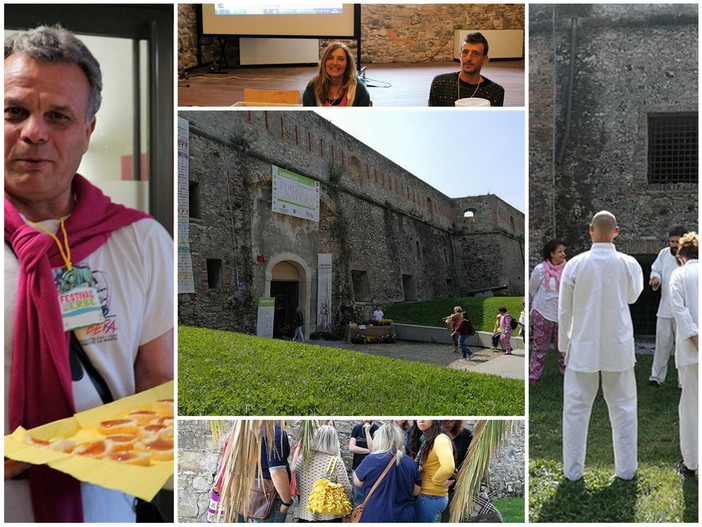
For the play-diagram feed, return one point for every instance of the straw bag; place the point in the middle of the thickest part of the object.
(327, 497)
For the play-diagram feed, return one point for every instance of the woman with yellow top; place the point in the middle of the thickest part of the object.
(433, 451)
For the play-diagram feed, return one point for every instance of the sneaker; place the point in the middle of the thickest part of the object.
(683, 470)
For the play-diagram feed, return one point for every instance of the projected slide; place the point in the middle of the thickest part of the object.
(254, 8)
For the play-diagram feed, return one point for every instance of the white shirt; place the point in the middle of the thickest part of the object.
(684, 302)
(134, 274)
(661, 268)
(595, 328)
(378, 315)
(545, 301)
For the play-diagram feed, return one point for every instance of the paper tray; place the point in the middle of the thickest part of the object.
(142, 482)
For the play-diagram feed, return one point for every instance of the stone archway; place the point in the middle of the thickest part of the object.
(289, 280)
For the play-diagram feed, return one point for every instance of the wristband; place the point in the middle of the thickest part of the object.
(286, 504)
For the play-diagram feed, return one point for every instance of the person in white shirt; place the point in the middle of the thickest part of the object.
(661, 269)
(684, 301)
(544, 284)
(597, 335)
(378, 314)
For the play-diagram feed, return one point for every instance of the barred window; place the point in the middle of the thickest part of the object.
(672, 148)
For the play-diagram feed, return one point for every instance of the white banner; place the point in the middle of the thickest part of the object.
(186, 284)
(295, 195)
(324, 292)
(266, 313)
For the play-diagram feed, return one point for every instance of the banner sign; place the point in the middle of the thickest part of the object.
(266, 313)
(295, 195)
(186, 284)
(324, 292)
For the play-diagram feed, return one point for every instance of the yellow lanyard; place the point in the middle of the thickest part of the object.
(65, 250)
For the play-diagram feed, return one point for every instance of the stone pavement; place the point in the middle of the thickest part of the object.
(484, 360)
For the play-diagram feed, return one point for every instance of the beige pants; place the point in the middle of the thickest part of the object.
(689, 418)
(579, 391)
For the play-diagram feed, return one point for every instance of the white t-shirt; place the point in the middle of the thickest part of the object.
(545, 301)
(378, 314)
(133, 272)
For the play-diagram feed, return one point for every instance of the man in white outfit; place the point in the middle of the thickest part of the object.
(684, 300)
(661, 269)
(596, 333)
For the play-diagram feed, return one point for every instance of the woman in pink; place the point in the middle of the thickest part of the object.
(506, 329)
(544, 285)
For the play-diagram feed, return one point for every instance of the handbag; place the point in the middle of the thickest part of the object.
(327, 497)
(261, 499)
(358, 511)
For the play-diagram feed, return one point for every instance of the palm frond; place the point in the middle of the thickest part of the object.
(487, 437)
(307, 430)
(217, 427)
(243, 459)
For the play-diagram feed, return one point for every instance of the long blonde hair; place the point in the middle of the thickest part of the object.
(321, 82)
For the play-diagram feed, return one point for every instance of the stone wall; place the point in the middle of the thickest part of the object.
(630, 61)
(198, 456)
(389, 32)
(375, 218)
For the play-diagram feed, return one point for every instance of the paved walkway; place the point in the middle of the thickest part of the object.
(484, 360)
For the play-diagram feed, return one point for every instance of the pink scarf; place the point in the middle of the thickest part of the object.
(41, 388)
(552, 271)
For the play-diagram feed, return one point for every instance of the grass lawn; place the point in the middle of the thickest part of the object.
(482, 311)
(657, 494)
(512, 509)
(222, 373)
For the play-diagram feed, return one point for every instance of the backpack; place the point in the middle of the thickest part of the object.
(513, 323)
(471, 329)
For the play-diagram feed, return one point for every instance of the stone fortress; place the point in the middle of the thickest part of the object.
(613, 106)
(198, 457)
(391, 236)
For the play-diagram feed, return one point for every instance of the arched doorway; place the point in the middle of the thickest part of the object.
(285, 288)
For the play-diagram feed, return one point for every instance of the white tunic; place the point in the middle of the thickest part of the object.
(595, 328)
(544, 300)
(684, 303)
(661, 268)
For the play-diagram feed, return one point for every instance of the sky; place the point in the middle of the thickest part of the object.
(459, 152)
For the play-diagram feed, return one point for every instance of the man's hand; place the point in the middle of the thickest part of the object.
(695, 342)
(14, 468)
(654, 282)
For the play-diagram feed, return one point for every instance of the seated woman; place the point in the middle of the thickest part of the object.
(336, 83)
(393, 498)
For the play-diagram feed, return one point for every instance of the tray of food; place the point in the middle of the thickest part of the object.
(126, 445)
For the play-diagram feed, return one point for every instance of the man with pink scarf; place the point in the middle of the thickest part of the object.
(65, 239)
(544, 284)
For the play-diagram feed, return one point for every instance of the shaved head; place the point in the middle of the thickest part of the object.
(603, 227)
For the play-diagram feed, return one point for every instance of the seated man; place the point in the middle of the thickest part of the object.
(447, 88)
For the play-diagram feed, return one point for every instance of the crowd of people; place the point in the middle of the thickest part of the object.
(337, 85)
(581, 308)
(402, 472)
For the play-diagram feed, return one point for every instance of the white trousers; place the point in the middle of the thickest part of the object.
(665, 344)
(687, 410)
(579, 391)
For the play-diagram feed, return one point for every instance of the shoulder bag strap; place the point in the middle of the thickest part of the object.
(394, 458)
(79, 358)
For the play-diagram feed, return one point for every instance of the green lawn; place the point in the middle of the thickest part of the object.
(482, 311)
(657, 494)
(512, 509)
(222, 373)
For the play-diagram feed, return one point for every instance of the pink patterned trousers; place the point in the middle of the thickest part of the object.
(543, 333)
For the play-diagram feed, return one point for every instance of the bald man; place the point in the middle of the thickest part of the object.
(596, 333)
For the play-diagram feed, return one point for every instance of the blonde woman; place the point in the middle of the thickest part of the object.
(336, 83)
(325, 448)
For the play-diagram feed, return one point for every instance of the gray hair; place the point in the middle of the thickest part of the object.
(389, 438)
(56, 44)
(326, 440)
